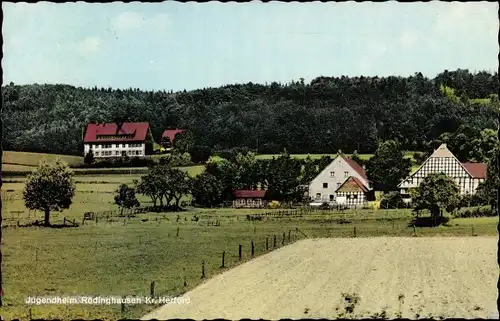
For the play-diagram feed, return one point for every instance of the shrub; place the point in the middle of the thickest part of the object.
(176, 160)
(117, 162)
(476, 211)
(391, 200)
(274, 204)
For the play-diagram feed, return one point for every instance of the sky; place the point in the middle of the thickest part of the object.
(176, 46)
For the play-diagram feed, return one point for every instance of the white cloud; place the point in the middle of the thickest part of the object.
(89, 46)
(126, 21)
(134, 21)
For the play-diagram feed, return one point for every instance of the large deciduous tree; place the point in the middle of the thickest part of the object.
(206, 190)
(437, 192)
(387, 166)
(125, 198)
(50, 187)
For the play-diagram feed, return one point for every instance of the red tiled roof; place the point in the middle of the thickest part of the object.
(477, 170)
(170, 133)
(353, 182)
(249, 193)
(355, 166)
(131, 132)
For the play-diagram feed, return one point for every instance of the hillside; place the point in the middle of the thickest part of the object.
(330, 113)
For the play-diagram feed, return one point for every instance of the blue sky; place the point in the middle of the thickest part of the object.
(175, 46)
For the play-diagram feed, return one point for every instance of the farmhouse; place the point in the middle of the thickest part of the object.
(342, 182)
(118, 140)
(249, 198)
(466, 175)
(168, 137)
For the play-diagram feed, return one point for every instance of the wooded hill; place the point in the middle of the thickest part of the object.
(347, 113)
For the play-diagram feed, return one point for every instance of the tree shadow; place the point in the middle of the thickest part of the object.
(41, 224)
(428, 221)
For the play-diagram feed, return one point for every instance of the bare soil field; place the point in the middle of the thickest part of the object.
(412, 277)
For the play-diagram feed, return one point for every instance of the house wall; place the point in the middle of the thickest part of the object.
(249, 202)
(103, 150)
(352, 199)
(447, 165)
(339, 166)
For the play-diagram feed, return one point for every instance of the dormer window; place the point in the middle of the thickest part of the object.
(332, 174)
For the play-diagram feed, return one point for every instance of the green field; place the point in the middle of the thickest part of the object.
(115, 259)
(33, 159)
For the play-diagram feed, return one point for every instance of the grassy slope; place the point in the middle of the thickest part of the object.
(115, 259)
(33, 159)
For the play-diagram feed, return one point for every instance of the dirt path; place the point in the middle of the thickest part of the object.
(405, 277)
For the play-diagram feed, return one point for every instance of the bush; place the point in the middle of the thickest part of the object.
(176, 160)
(391, 200)
(274, 204)
(200, 154)
(476, 211)
(117, 162)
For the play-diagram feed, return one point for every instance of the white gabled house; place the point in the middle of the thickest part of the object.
(342, 182)
(467, 176)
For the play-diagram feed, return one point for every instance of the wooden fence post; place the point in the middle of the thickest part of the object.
(414, 230)
(252, 249)
(202, 269)
(239, 251)
(283, 241)
(274, 244)
(267, 243)
(122, 308)
(472, 230)
(392, 224)
(254, 229)
(36, 255)
(184, 276)
(289, 231)
(30, 315)
(96, 218)
(152, 289)
(355, 231)
(223, 255)
(177, 232)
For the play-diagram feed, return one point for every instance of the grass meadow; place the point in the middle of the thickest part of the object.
(122, 257)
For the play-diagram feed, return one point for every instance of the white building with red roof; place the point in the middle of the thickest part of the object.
(467, 176)
(342, 182)
(118, 140)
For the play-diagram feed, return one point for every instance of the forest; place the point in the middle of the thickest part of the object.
(328, 114)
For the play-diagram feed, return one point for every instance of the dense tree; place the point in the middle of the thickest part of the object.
(125, 198)
(50, 188)
(330, 113)
(488, 191)
(206, 190)
(435, 193)
(184, 141)
(388, 166)
(89, 157)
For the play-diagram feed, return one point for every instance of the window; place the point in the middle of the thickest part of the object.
(355, 196)
(332, 174)
(331, 197)
(318, 196)
(325, 185)
(117, 153)
(96, 153)
(346, 174)
(124, 145)
(139, 152)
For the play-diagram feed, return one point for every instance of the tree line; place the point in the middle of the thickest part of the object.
(327, 114)
(284, 179)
